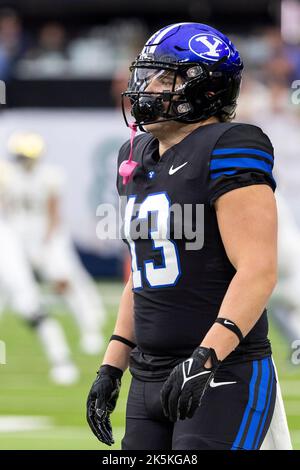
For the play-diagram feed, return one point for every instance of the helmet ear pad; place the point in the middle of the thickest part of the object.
(202, 97)
(206, 96)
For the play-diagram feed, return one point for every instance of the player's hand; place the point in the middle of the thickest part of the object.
(182, 392)
(101, 402)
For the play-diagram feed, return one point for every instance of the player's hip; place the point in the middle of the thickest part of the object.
(235, 412)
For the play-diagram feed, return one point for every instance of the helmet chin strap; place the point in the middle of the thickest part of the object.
(127, 167)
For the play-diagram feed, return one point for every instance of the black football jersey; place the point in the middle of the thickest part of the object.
(179, 265)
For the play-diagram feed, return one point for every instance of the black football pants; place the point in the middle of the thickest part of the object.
(231, 416)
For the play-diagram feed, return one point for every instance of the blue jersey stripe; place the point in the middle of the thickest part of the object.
(240, 162)
(267, 407)
(260, 406)
(250, 403)
(245, 151)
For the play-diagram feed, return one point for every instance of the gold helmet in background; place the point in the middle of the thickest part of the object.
(26, 144)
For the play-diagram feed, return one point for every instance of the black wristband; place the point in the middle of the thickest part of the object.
(113, 371)
(231, 326)
(123, 340)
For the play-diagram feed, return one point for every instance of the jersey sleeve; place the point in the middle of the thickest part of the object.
(242, 156)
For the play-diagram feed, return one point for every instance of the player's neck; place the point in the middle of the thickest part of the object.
(173, 135)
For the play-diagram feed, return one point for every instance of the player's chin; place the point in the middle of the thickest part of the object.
(155, 126)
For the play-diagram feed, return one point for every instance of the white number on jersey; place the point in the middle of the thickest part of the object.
(157, 276)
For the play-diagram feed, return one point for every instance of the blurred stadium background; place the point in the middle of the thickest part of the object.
(64, 64)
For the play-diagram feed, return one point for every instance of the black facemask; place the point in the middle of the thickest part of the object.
(147, 108)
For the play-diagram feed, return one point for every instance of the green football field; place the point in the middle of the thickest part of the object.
(35, 414)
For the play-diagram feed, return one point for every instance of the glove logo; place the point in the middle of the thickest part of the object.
(186, 376)
(208, 46)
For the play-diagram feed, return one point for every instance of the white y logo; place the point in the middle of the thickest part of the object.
(212, 47)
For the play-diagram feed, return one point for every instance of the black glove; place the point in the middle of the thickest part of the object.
(101, 402)
(182, 392)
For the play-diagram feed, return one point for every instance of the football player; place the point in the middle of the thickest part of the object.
(192, 322)
(19, 288)
(32, 198)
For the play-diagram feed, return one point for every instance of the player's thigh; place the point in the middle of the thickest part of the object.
(235, 412)
(146, 426)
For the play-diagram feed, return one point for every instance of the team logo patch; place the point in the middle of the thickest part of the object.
(208, 46)
(151, 174)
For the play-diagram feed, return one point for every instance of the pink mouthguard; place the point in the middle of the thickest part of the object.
(127, 167)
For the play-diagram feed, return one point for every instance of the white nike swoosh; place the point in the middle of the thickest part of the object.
(226, 322)
(173, 170)
(214, 384)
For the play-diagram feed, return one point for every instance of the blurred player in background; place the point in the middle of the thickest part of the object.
(32, 199)
(19, 288)
(286, 298)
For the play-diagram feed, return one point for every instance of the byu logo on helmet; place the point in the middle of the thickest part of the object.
(208, 46)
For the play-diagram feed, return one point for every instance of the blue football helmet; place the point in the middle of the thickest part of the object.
(200, 68)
